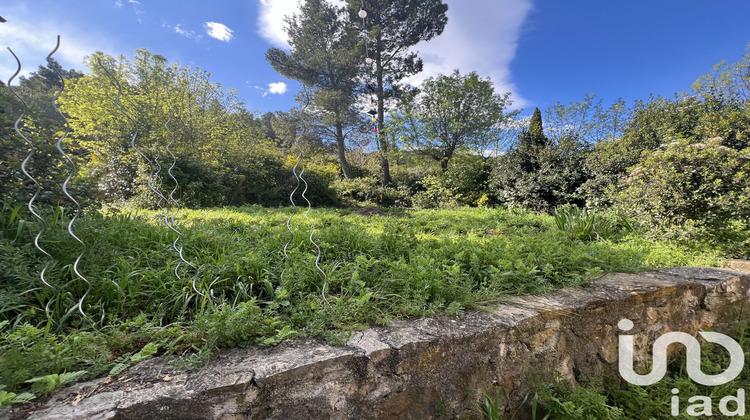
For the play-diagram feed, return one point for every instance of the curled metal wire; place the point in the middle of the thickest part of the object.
(312, 232)
(24, 164)
(151, 165)
(140, 153)
(171, 220)
(156, 179)
(67, 193)
(301, 180)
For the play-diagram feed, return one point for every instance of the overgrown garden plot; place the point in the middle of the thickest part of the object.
(378, 266)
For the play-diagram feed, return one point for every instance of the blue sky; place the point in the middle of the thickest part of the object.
(542, 51)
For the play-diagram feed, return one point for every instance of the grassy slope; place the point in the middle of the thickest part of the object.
(380, 267)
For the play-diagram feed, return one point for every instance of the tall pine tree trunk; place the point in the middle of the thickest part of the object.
(386, 179)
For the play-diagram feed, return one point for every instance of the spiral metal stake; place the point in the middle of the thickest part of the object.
(25, 162)
(291, 198)
(157, 183)
(312, 231)
(140, 153)
(302, 181)
(171, 221)
(296, 187)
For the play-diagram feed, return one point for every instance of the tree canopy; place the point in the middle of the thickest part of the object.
(392, 26)
(452, 112)
(325, 57)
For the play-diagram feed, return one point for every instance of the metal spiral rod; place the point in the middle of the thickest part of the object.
(302, 181)
(24, 164)
(140, 153)
(312, 231)
(157, 183)
(296, 188)
(171, 220)
(151, 168)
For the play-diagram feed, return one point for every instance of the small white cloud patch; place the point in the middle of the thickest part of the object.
(183, 32)
(219, 31)
(278, 88)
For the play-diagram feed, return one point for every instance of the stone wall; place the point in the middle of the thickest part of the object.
(424, 368)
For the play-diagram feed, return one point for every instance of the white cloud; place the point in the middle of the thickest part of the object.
(33, 40)
(481, 36)
(278, 88)
(271, 20)
(136, 8)
(183, 32)
(219, 31)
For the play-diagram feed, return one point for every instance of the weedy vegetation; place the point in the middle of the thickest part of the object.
(245, 291)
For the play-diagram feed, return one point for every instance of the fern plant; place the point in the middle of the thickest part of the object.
(47, 384)
(8, 398)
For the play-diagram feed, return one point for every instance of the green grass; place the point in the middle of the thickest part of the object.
(610, 398)
(378, 268)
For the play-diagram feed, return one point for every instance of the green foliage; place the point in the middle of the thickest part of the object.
(387, 265)
(587, 225)
(8, 398)
(369, 191)
(47, 384)
(490, 407)
(690, 191)
(451, 113)
(725, 92)
(123, 362)
(578, 403)
(327, 57)
(41, 125)
(37, 357)
(392, 28)
(540, 176)
(461, 184)
(224, 157)
(611, 398)
(587, 120)
(245, 324)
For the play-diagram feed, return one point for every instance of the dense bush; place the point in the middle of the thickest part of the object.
(550, 177)
(369, 191)
(694, 191)
(264, 179)
(462, 183)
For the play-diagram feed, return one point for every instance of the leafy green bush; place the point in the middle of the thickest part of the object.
(690, 191)
(543, 177)
(369, 191)
(462, 183)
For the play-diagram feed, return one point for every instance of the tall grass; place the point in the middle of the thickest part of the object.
(378, 268)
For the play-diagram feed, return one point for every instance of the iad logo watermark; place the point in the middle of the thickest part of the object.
(700, 405)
